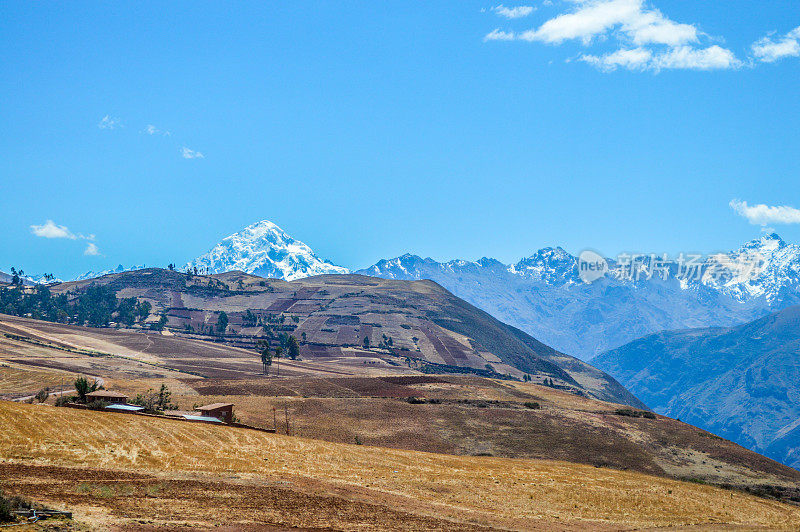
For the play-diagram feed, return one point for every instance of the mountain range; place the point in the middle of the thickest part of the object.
(543, 294)
(742, 383)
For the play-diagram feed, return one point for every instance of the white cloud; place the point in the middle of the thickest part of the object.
(644, 38)
(109, 122)
(683, 57)
(186, 153)
(632, 59)
(686, 57)
(50, 230)
(651, 27)
(499, 35)
(91, 250)
(589, 20)
(768, 50)
(513, 12)
(153, 130)
(765, 214)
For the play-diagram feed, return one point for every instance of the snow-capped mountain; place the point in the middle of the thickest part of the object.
(266, 250)
(544, 295)
(30, 280)
(769, 269)
(93, 274)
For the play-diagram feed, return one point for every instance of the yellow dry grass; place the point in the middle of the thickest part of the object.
(16, 382)
(500, 492)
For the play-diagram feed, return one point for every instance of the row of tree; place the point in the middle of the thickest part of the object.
(291, 345)
(96, 306)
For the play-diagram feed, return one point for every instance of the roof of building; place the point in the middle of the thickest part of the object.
(213, 406)
(106, 393)
(126, 408)
(202, 418)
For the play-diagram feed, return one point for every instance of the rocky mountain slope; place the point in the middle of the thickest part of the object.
(544, 295)
(264, 249)
(418, 324)
(742, 383)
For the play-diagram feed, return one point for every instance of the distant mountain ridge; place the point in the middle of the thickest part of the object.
(91, 274)
(264, 249)
(544, 295)
(742, 383)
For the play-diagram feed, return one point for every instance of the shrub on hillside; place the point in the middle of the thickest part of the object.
(42, 395)
(5, 509)
(8, 504)
(62, 400)
(630, 412)
(97, 405)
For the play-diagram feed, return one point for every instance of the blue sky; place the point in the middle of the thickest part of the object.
(367, 130)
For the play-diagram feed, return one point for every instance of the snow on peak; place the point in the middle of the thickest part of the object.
(771, 267)
(266, 250)
(553, 265)
(119, 269)
(765, 244)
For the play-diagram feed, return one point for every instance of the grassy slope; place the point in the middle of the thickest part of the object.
(491, 491)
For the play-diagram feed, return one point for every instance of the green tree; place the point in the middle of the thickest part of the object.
(162, 399)
(162, 322)
(6, 510)
(366, 342)
(83, 387)
(126, 311)
(266, 357)
(96, 306)
(293, 347)
(15, 275)
(222, 322)
(42, 395)
(143, 310)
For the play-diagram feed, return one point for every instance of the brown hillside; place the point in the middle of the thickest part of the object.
(430, 329)
(131, 471)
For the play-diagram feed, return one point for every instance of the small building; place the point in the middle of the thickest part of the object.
(221, 411)
(204, 419)
(121, 407)
(107, 396)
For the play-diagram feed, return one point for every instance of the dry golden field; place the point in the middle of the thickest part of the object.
(126, 470)
(19, 381)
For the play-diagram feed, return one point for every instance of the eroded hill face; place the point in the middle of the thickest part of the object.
(412, 324)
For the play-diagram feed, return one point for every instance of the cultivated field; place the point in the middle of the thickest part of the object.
(382, 405)
(178, 474)
(476, 416)
(349, 320)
